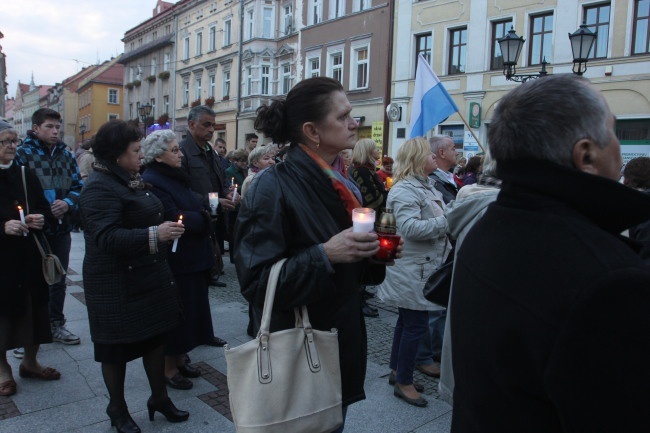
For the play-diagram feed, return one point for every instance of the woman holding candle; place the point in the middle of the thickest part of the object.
(130, 291)
(386, 171)
(24, 317)
(301, 210)
(419, 212)
(193, 258)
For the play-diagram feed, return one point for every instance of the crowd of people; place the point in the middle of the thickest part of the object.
(549, 236)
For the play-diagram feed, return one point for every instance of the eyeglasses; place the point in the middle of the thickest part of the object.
(174, 150)
(8, 141)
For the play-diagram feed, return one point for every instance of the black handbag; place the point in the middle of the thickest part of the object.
(438, 285)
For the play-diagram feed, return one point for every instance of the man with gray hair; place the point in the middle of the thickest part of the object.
(445, 150)
(202, 164)
(547, 296)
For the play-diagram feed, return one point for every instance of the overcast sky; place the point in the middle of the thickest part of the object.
(55, 39)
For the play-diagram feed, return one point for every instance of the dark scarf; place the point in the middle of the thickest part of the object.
(170, 172)
(133, 181)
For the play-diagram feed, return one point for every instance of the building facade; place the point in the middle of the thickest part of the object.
(459, 38)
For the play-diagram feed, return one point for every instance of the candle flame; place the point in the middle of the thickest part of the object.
(20, 208)
(180, 217)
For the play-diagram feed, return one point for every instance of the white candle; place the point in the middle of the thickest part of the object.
(22, 217)
(213, 197)
(234, 194)
(175, 244)
(363, 220)
(232, 181)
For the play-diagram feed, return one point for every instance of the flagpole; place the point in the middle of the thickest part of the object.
(471, 131)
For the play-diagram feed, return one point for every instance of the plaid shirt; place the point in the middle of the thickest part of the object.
(58, 173)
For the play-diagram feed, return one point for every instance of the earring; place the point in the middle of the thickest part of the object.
(317, 146)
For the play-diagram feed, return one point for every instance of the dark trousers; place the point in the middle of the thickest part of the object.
(411, 326)
(60, 245)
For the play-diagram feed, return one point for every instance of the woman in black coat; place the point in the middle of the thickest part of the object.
(24, 317)
(301, 210)
(193, 259)
(130, 290)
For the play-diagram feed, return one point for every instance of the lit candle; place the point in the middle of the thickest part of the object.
(22, 217)
(232, 181)
(175, 244)
(389, 182)
(363, 220)
(234, 193)
(213, 197)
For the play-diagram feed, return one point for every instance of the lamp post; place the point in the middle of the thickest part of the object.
(581, 42)
(144, 111)
(82, 131)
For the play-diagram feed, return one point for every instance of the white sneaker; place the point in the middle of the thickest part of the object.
(60, 334)
(19, 353)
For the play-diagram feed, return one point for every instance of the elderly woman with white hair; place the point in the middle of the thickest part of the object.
(193, 258)
(259, 158)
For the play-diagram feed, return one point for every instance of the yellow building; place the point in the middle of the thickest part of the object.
(100, 97)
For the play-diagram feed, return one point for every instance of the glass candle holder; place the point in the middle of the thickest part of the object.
(213, 197)
(388, 244)
(363, 220)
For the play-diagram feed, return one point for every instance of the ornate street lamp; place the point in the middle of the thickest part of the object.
(82, 131)
(511, 45)
(582, 41)
(144, 111)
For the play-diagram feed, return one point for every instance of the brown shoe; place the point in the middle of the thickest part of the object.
(431, 370)
(8, 388)
(48, 373)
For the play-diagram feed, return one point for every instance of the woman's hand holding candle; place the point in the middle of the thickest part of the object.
(175, 244)
(169, 230)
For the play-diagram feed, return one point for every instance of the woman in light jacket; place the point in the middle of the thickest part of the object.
(419, 212)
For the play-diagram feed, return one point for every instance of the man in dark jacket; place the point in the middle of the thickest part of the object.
(57, 170)
(547, 295)
(203, 166)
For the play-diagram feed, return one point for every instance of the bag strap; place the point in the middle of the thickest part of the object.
(38, 244)
(270, 297)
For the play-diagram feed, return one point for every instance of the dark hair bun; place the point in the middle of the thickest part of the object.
(271, 121)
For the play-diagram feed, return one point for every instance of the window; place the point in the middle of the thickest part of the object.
(113, 96)
(213, 38)
(337, 8)
(199, 43)
(197, 88)
(597, 18)
(336, 66)
(227, 28)
(423, 46)
(267, 24)
(641, 38)
(166, 104)
(167, 62)
(287, 19)
(286, 78)
(113, 116)
(314, 67)
(226, 84)
(186, 48)
(315, 11)
(131, 111)
(361, 5)
(153, 107)
(541, 39)
(457, 50)
(360, 67)
(499, 30)
(249, 21)
(212, 83)
(131, 74)
(186, 93)
(154, 36)
(249, 81)
(154, 66)
(266, 78)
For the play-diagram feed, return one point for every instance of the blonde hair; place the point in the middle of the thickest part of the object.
(411, 158)
(362, 152)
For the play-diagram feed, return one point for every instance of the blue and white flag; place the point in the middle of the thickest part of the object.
(431, 102)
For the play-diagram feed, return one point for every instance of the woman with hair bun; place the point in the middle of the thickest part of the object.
(301, 210)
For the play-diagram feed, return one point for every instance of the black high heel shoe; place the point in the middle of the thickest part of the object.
(167, 408)
(121, 420)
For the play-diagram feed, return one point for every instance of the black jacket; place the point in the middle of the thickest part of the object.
(20, 259)
(547, 299)
(130, 293)
(288, 211)
(206, 174)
